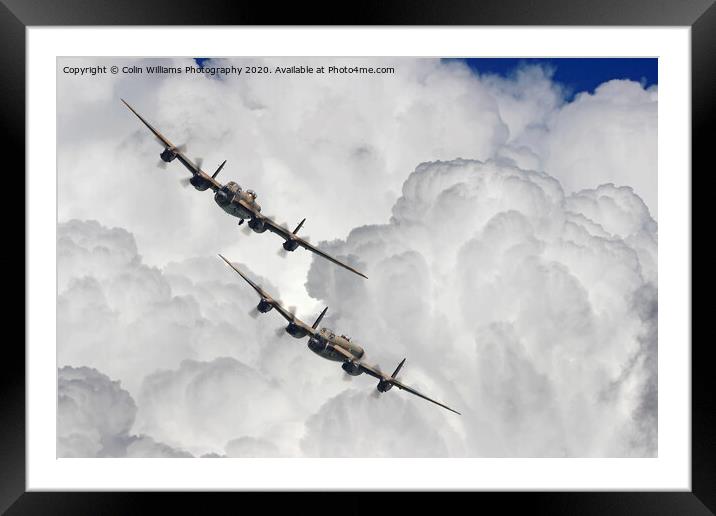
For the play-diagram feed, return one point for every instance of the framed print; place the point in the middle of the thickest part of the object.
(438, 250)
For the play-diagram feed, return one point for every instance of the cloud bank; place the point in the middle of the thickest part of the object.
(94, 418)
(532, 312)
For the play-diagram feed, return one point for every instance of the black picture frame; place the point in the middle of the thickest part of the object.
(16, 15)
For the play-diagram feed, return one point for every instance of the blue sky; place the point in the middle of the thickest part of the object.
(575, 74)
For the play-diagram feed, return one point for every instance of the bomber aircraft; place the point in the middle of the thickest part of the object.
(326, 344)
(234, 200)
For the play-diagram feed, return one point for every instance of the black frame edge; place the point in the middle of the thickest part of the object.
(371, 12)
(703, 133)
(700, 14)
(12, 381)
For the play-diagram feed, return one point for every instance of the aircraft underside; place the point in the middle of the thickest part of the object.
(235, 210)
(319, 347)
(329, 354)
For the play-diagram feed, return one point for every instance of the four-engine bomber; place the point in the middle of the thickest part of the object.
(236, 201)
(326, 344)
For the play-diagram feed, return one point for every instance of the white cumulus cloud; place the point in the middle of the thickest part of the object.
(532, 311)
(95, 416)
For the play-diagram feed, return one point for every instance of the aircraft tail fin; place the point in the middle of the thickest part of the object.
(213, 176)
(320, 317)
(397, 369)
(300, 224)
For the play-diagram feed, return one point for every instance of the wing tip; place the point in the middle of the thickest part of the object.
(352, 269)
(230, 264)
(137, 114)
(348, 267)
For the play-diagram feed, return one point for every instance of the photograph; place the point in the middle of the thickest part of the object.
(357, 257)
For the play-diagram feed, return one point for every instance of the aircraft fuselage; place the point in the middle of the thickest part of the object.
(317, 344)
(228, 196)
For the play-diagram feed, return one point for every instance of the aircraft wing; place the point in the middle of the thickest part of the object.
(264, 295)
(190, 165)
(377, 373)
(286, 234)
(368, 369)
(404, 387)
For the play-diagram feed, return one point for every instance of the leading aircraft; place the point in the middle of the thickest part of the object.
(326, 344)
(234, 200)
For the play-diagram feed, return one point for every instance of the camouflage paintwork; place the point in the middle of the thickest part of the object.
(236, 201)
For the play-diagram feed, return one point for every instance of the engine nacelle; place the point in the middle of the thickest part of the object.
(257, 225)
(384, 386)
(296, 331)
(290, 245)
(199, 183)
(351, 368)
(264, 306)
(168, 155)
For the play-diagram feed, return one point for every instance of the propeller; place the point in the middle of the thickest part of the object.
(291, 310)
(179, 148)
(254, 312)
(185, 182)
(160, 142)
(246, 229)
(376, 393)
(198, 162)
(282, 252)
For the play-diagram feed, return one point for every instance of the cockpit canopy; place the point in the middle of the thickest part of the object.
(233, 187)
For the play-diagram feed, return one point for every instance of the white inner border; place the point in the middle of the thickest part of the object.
(671, 470)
